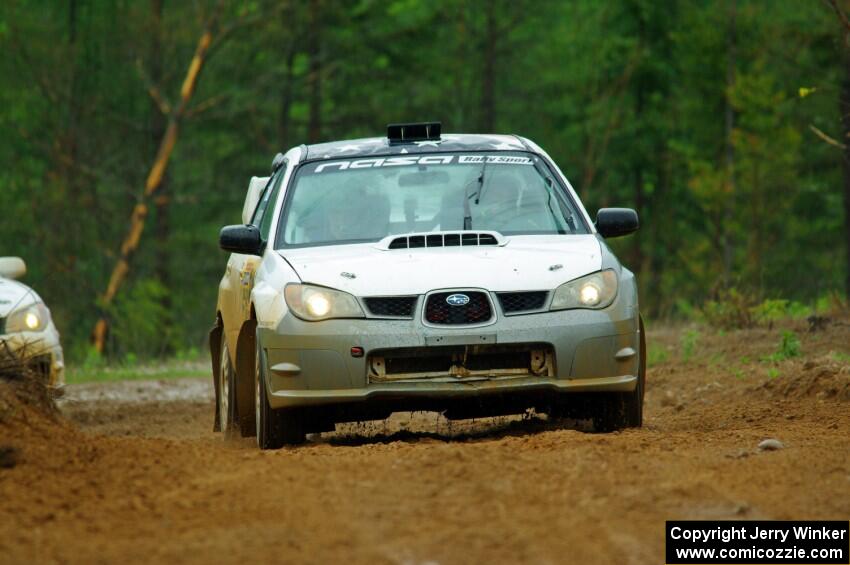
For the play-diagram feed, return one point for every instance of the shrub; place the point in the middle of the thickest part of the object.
(656, 354)
(832, 304)
(789, 346)
(731, 310)
(143, 326)
(735, 310)
(689, 343)
(773, 310)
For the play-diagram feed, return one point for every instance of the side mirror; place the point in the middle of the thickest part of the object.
(614, 222)
(243, 239)
(12, 267)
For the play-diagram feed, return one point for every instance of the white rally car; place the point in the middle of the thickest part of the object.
(420, 271)
(26, 328)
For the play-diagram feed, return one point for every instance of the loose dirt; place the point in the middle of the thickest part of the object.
(133, 473)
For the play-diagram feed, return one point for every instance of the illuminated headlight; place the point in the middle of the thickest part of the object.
(592, 291)
(313, 303)
(32, 318)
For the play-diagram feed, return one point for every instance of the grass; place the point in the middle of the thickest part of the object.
(840, 357)
(169, 369)
(689, 341)
(656, 354)
(789, 346)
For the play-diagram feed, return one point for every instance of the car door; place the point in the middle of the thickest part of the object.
(239, 273)
(235, 289)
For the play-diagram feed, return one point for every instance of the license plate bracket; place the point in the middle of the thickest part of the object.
(461, 339)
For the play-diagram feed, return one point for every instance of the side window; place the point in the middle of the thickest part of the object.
(262, 219)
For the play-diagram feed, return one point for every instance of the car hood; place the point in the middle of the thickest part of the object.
(523, 263)
(13, 295)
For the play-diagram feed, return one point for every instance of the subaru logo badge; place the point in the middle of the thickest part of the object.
(457, 300)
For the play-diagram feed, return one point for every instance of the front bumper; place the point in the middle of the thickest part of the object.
(38, 348)
(310, 363)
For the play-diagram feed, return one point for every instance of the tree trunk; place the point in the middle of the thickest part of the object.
(844, 104)
(154, 181)
(162, 228)
(658, 235)
(314, 128)
(62, 175)
(68, 146)
(638, 167)
(488, 78)
(285, 119)
(729, 200)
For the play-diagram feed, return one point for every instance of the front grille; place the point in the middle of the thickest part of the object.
(443, 240)
(476, 311)
(513, 302)
(392, 306)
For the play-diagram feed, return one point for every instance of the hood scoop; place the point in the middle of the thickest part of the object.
(442, 239)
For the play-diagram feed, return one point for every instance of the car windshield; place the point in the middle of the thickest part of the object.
(363, 200)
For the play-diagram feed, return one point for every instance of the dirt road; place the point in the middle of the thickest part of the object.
(139, 476)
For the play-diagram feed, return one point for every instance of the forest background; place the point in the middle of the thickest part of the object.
(131, 129)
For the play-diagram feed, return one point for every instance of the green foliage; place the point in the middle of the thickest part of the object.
(167, 369)
(656, 355)
(732, 310)
(832, 304)
(718, 358)
(92, 359)
(773, 310)
(143, 322)
(736, 310)
(190, 354)
(686, 310)
(840, 357)
(789, 347)
(689, 341)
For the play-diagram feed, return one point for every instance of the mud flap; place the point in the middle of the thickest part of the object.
(245, 352)
(215, 353)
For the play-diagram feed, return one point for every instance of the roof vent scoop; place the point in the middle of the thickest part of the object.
(409, 133)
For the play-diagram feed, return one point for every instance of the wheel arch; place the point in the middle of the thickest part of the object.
(215, 358)
(245, 355)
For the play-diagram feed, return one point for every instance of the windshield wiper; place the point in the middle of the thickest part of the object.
(467, 213)
(481, 181)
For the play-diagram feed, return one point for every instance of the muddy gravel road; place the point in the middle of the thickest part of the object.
(133, 473)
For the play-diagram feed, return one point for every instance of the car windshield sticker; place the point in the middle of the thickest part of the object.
(333, 166)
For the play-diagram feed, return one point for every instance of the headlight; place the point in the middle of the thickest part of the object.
(32, 318)
(593, 291)
(313, 303)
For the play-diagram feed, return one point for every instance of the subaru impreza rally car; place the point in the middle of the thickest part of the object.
(420, 271)
(26, 328)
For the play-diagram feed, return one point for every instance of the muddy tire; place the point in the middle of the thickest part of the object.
(616, 411)
(228, 420)
(275, 428)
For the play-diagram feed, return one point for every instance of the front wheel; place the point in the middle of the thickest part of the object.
(275, 428)
(227, 394)
(615, 411)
